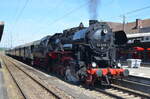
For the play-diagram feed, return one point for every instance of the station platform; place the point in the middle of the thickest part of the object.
(145, 64)
(3, 92)
(140, 72)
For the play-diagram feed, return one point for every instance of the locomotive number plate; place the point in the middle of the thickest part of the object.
(102, 44)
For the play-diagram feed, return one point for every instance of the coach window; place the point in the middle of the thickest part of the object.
(142, 38)
(147, 38)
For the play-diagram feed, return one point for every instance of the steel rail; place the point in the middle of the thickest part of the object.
(108, 93)
(134, 85)
(53, 93)
(25, 97)
(119, 89)
(130, 91)
(139, 79)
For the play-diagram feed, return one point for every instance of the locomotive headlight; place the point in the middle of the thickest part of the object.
(94, 64)
(119, 64)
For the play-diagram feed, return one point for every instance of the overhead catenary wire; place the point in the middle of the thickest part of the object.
(11, 25)
(21, 11)
(131, 12)
(137, 16)
(68, 13)
(74, 10)
(17, 19)
(55, 7)
(122, 16)
(137, 10)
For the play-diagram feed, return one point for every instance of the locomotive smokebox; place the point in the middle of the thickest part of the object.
(92, 22)
(1, 29)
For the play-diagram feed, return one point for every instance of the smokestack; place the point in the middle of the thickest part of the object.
(1, 29)
(93, 9)
(92, 22)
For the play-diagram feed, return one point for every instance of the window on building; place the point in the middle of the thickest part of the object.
(142, 38)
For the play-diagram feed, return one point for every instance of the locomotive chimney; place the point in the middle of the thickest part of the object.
(81, 25)
(92, 22)
(1, 29)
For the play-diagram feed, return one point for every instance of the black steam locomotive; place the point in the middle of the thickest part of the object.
(78, 54)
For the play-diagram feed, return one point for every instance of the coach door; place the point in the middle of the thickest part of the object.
(32, 50)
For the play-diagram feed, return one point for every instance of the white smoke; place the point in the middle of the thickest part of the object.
(93, 8)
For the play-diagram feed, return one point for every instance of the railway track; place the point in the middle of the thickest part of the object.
(134, 85)
(29, 87)
(142, 80)
(115, 91)
(129, 88)
(119, 92)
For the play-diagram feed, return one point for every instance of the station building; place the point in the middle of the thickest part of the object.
(138, 33)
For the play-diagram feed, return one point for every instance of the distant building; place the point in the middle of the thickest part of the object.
(139, 26)
(138, 34)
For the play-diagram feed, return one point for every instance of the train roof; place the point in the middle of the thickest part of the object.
(33, 43)
(138, 35)
(29, 44)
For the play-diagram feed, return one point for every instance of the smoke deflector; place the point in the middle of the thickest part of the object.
(120, 38)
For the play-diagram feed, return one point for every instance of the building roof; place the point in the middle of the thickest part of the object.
(131, 27)
(115, 26)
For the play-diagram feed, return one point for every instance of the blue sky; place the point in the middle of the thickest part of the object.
(46, 17)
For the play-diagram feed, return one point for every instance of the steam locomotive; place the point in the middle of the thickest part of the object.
(86, 54)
